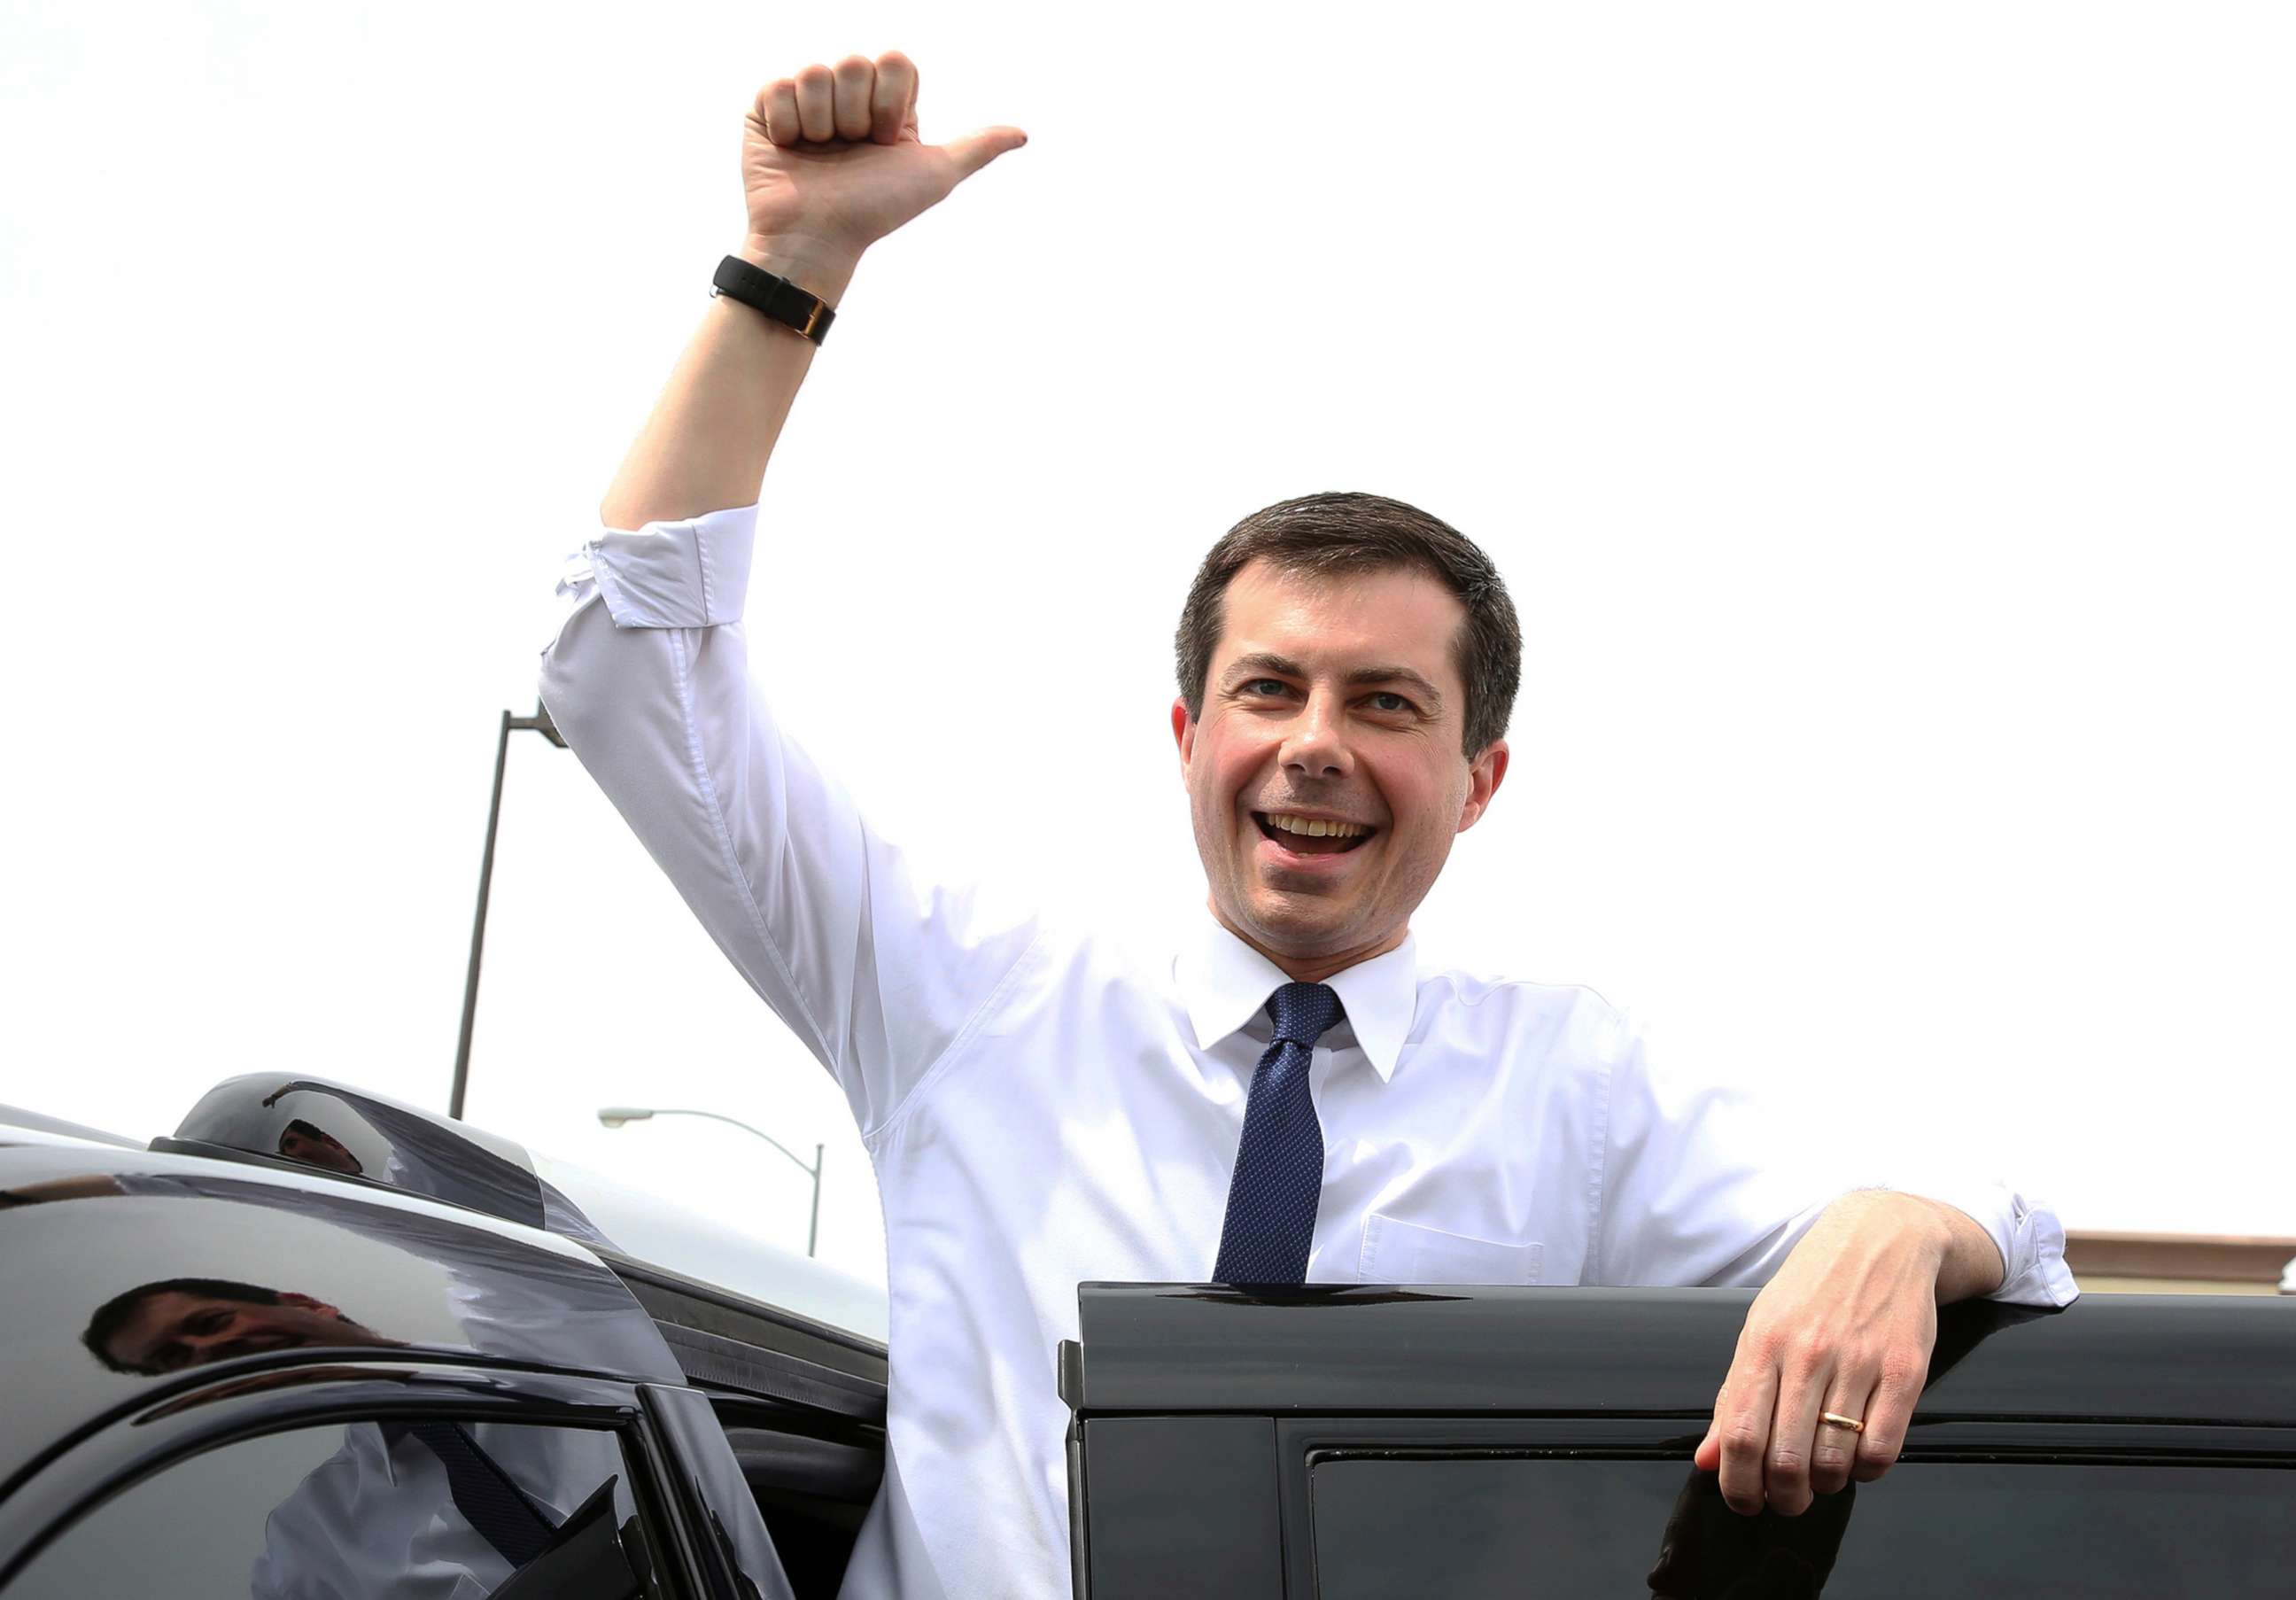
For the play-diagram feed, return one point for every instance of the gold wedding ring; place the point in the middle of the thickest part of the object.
(1839, 1421)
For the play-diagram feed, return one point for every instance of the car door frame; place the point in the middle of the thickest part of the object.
(685, 1480)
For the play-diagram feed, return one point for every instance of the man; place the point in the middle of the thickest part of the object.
(162, 1328)
(1291, 1099)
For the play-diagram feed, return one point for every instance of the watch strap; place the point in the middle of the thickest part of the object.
(775, 297)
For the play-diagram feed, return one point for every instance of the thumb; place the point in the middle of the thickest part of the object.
(976, 150)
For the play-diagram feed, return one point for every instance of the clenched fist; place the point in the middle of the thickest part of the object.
(831, 161)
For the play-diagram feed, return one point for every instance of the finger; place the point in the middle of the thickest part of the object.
(852, 83)
(1745, 1422)
(1834, 1451)
(816, 102)
(1804, 1379)
(1888, 1414)
(975, 151)
(893, 101)
(1708, 1457)
(777, 104)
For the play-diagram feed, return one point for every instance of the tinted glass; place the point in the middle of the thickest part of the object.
(154, 1265)
(408, 1511)
(1473, 1527)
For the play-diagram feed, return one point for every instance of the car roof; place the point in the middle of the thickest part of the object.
(101, 1232)
(375, 1144)
(19, 1117)
(116, 1252)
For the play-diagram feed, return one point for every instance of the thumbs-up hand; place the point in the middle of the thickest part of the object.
(831, 161)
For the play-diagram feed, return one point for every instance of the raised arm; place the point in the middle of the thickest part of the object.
(875, 970)
(831, 163)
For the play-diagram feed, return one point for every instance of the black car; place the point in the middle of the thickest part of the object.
(319, 1343)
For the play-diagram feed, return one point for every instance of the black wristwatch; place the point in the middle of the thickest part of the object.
(775, 297)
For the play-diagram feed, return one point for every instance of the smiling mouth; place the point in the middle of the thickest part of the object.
(1312, 836)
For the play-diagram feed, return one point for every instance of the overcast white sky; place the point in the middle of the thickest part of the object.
(1883, 418)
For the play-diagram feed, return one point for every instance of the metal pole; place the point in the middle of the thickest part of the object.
(540, 723)
(813, 1228)
(479, 928)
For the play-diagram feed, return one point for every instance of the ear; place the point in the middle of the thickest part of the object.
(1184, 733)
(1485, 773)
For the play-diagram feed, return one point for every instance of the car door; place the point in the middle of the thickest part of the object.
(1345, 1442)
(271, 1381)
(398, 1479)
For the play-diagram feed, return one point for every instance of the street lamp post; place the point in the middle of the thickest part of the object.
(541, 723)
(614, 1116)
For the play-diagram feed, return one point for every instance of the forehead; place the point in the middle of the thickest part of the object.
(1393, 616)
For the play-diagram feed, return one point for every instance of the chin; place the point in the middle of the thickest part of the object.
(1296, 934)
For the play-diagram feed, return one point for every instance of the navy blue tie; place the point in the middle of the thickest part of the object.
(1279, 1166)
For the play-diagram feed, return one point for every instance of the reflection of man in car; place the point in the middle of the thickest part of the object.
(300, 1141)
(410, 1508)
(406, 1509)
(1711, 1552)
(420, 1158)
(177, 1322)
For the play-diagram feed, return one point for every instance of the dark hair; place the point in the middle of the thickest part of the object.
(1342, 534)
(113, 1314)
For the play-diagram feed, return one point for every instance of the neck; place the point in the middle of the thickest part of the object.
(1315, 967)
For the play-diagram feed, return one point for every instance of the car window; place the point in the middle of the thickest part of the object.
(1476, 1526)
(813, 1481)
(406, 1509)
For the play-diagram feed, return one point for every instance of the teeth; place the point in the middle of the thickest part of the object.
(1316, 827)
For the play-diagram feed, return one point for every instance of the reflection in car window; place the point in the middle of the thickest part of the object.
(428, 1509)
(1475, 1526)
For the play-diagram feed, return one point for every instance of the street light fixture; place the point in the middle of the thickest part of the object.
(614, 1116)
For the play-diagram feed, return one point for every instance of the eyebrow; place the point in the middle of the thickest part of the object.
(1264, 661)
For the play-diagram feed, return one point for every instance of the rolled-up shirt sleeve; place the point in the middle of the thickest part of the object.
(1703, 1184)
(648, 681)
(2027, 1232)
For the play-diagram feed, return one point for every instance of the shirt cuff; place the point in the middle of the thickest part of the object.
(688, 574)
(2029, 1235)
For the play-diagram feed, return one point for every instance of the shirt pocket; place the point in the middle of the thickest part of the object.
(1406, 1253)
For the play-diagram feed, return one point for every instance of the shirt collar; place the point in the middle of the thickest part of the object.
(1223, 982)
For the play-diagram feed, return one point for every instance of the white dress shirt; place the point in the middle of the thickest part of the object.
(1043, 1109)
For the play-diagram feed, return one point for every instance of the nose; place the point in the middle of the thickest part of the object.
(1315, 744)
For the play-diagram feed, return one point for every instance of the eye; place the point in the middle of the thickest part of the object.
(1263, 686)
(1388, 701)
